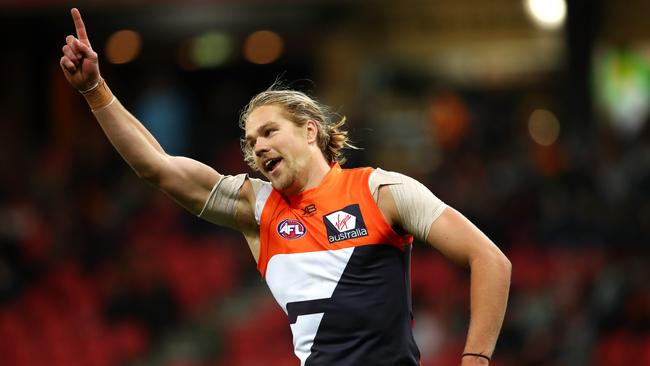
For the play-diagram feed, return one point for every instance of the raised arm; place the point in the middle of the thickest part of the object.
(187, 181)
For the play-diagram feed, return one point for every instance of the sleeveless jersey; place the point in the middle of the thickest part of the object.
(340, 273)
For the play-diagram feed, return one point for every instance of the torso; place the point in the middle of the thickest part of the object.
(340, 273)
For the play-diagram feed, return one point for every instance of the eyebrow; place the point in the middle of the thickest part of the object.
(261, 128)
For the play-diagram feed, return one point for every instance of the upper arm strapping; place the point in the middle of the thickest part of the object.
(417, 207)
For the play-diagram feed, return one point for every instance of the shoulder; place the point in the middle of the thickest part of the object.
(380, 177)
(254, 194)
(359, 173)
(406, 202)
(380, 180)
(377, 178)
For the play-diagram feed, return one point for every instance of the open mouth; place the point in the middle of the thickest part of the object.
(270, 165)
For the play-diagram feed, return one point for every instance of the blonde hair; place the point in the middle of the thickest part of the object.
(300, 108)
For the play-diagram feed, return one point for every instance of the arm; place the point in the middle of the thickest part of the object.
(187, 181)
(458, 239)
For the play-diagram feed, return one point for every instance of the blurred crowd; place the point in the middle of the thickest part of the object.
(97, 268)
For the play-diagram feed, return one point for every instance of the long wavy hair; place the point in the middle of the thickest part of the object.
(299, 108)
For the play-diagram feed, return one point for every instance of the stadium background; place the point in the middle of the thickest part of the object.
(537, 131)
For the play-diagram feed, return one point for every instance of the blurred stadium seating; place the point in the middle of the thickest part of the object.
(99, 269)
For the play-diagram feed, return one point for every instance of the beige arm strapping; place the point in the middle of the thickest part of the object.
(418, 208)
(221, 206)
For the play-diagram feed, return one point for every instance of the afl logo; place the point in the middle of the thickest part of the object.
(291, 229)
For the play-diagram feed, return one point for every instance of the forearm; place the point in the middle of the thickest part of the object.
(185, 180)
(131, 139)
(490, 282)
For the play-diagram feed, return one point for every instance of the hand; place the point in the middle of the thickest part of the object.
(79, 62)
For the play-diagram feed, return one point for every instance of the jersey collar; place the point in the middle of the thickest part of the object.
(327, 182)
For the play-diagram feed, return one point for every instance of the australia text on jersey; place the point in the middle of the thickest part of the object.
(346, 223)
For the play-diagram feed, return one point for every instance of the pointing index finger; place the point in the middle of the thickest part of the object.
(79, 25)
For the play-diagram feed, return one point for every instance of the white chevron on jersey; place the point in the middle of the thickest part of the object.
(304, 331)
(303, 277)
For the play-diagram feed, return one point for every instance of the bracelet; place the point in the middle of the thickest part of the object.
(91, 88)
(98, 96)
(476, 355)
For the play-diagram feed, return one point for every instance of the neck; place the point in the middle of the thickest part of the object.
(316, 173)
(312, 175)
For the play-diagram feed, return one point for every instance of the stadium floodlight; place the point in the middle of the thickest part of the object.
(547, 14)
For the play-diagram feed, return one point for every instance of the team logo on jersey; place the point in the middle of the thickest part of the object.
(291, 229)
(309, 210)
(346, 223)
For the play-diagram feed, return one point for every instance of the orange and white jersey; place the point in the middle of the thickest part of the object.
(340, 273)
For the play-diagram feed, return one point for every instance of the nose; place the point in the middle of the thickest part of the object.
(260, 147)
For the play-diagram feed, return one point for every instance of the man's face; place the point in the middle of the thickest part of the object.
(280, 147)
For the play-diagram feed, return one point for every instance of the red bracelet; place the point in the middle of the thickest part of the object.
(476, 355)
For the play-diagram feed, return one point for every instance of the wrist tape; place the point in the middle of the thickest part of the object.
(99, 96)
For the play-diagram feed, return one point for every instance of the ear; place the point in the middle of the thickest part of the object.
(312, 131)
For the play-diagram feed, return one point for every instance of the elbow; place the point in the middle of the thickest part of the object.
(151, 170)
(506, 265)
(495, 260)
(149, 174)
(501, 262)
